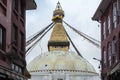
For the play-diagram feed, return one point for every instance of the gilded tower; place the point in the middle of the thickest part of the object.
(58, 39)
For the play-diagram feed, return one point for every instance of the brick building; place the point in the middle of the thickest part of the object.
(12, 38)
(108, 14)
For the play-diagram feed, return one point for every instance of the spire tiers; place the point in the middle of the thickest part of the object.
(58, 39)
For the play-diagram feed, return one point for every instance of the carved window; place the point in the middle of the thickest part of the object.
(118, 7)
(104, 57)
(2, 37)
(109, 54)
(16, 68)
(114, 50)
(14, 33)
(15, 5)
(22, 8)
(108, 24)
(114, 15)
(104, 29)
(22, 39)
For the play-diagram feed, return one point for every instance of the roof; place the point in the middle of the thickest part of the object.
(30, 4)
(101, 9)
(60, 60)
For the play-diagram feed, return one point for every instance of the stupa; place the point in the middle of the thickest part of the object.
(59, 63)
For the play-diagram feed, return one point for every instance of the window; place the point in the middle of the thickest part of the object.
(13, 66)
(109, 54)
(20, 70)
(22, 41)
(22, 8)
(104, 57)
(114, 46)
(114, 50)
(108, 24)
(2, 37)
(114, 15)
(118, 7)
(118, 10)
(15, 5)
(104, 30)
(14, 34)
(16, 68)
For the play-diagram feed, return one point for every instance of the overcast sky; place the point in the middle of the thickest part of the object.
(78, 14)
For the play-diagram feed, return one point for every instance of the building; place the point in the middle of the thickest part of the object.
(59, 63)
(108, 14)
(12, 38)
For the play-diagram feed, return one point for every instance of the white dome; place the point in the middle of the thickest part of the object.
(60, 61)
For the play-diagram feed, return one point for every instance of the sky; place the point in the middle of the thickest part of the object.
(78, 14)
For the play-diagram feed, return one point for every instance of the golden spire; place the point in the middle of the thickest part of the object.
(58, 13)
(58, 6)
(58, 39)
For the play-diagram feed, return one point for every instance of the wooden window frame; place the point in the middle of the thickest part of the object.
(22, 41)
(2, 45)
(109, 55)
(104, 58)
(108, 24)
(15, 5)
(14, 35)
(114, 15)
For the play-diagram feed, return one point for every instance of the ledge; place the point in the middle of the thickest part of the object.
(30, 4)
